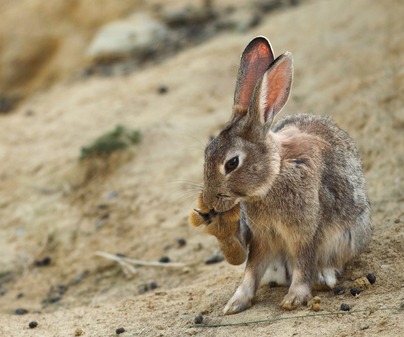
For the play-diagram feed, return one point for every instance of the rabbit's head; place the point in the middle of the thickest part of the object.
(242, 162)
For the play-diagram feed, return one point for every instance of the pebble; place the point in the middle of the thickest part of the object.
(315, 303)
(21, 311)
(78, 332)
(136, 36)
(364, 326)
(361, 283)
(198, 319)
(153, 285)
(215, 258)
(345, 307)
(119, 331)
(339, 290)
(33, 324)
(371, 278)
(315, 307)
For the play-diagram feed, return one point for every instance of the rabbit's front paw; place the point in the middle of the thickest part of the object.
(238, 303)
(297, 296)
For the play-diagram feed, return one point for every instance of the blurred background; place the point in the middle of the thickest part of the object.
(46, 43)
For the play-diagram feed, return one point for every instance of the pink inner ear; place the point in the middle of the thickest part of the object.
(256, 59)
(275, 87)
(257, 65)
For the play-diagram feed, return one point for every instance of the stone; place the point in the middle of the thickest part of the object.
(136, 36)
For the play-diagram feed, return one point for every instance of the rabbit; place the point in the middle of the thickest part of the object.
(290, 199)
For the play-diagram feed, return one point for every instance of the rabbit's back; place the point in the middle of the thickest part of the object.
(343, 203)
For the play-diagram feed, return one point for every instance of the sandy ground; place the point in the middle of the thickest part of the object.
(348, 65)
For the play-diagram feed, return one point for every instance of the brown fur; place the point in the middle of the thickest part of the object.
(226, 228)
(299, 185)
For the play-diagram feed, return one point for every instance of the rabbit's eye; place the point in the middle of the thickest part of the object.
(231, 164)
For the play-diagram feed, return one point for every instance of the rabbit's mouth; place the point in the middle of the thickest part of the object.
(224, 203)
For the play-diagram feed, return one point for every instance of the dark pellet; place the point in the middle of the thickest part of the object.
(21, 311)
(33, 324)
(119, 331)
(162, 89)
(43, 262)
(272, 284)
(355, 291)
(153, 285)
(105, 216)
(339, 290)
(164, 259)
(345, 307)
(198, 319)
(181, 242)
(371, 278)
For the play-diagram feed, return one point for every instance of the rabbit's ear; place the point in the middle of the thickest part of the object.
(272, 92)
(255, 60)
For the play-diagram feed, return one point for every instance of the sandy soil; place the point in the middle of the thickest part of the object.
(348, 65)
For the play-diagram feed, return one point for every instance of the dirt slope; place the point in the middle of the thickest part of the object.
(348, 65)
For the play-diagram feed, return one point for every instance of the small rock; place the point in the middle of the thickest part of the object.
(198, 319)
(361, 283)
(21, 311)
(364, 326)
(345, 307)
(314, 304)
(371, 278)
(143, 288)
(78, 332)
(153, 285)
(315, 307)
(215, 258)
(33, 324)
(135, 37)
(20, 295)
(119, 331)
(339, 290)
(397, 220)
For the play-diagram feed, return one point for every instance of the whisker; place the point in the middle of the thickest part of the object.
(255, 224)
(183, 196)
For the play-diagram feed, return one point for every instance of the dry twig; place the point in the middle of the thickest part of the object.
(128, 264)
